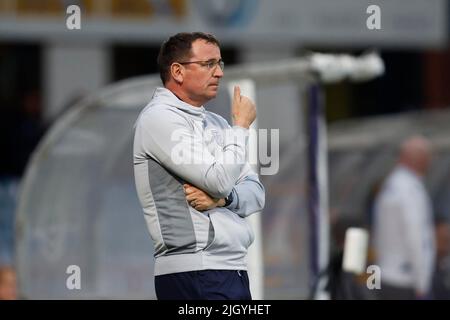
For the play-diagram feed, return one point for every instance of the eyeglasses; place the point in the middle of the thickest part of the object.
(210, 64)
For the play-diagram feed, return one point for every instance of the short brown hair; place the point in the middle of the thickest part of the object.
(177, 48)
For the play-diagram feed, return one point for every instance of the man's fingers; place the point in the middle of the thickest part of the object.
(189, 189)
(200, 206)
(190, 197)
(237, 94)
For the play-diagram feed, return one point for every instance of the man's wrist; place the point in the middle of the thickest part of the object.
(241, 123)
(225, 202)
(221, 202)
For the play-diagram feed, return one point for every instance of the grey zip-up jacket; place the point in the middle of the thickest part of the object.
(175, 143)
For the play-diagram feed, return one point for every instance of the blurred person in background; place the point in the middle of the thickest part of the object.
(8, 285)
(403, 231)
(192, 176)
(20, 131)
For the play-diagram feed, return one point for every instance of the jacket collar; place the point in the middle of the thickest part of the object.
(168, 97)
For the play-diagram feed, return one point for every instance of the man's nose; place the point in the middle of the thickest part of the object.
(218, 72)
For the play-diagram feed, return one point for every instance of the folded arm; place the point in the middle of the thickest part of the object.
(168, 138)
(248, 197)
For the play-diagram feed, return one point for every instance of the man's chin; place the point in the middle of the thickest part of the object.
(213, 91)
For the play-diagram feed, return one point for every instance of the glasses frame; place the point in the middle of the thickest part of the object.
(207, 64)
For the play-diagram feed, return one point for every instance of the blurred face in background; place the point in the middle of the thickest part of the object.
(416, 154)
(8, 284)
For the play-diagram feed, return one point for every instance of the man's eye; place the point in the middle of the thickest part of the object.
(211, 64)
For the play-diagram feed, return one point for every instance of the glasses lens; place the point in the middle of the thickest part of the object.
(213, 64)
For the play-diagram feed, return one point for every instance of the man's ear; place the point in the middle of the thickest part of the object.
(177, 72)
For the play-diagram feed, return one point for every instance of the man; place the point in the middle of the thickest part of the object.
(403, 226)
(192, 178)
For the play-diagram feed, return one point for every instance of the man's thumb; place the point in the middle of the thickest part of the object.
(237, 93)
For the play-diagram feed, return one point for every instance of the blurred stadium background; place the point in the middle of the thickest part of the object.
(66, 175)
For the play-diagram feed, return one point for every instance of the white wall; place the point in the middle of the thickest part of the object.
(70, 71)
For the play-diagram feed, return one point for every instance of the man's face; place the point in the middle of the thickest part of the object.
(200, 82)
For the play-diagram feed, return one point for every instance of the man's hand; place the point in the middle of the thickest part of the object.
(200, 200)
(243, 109)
